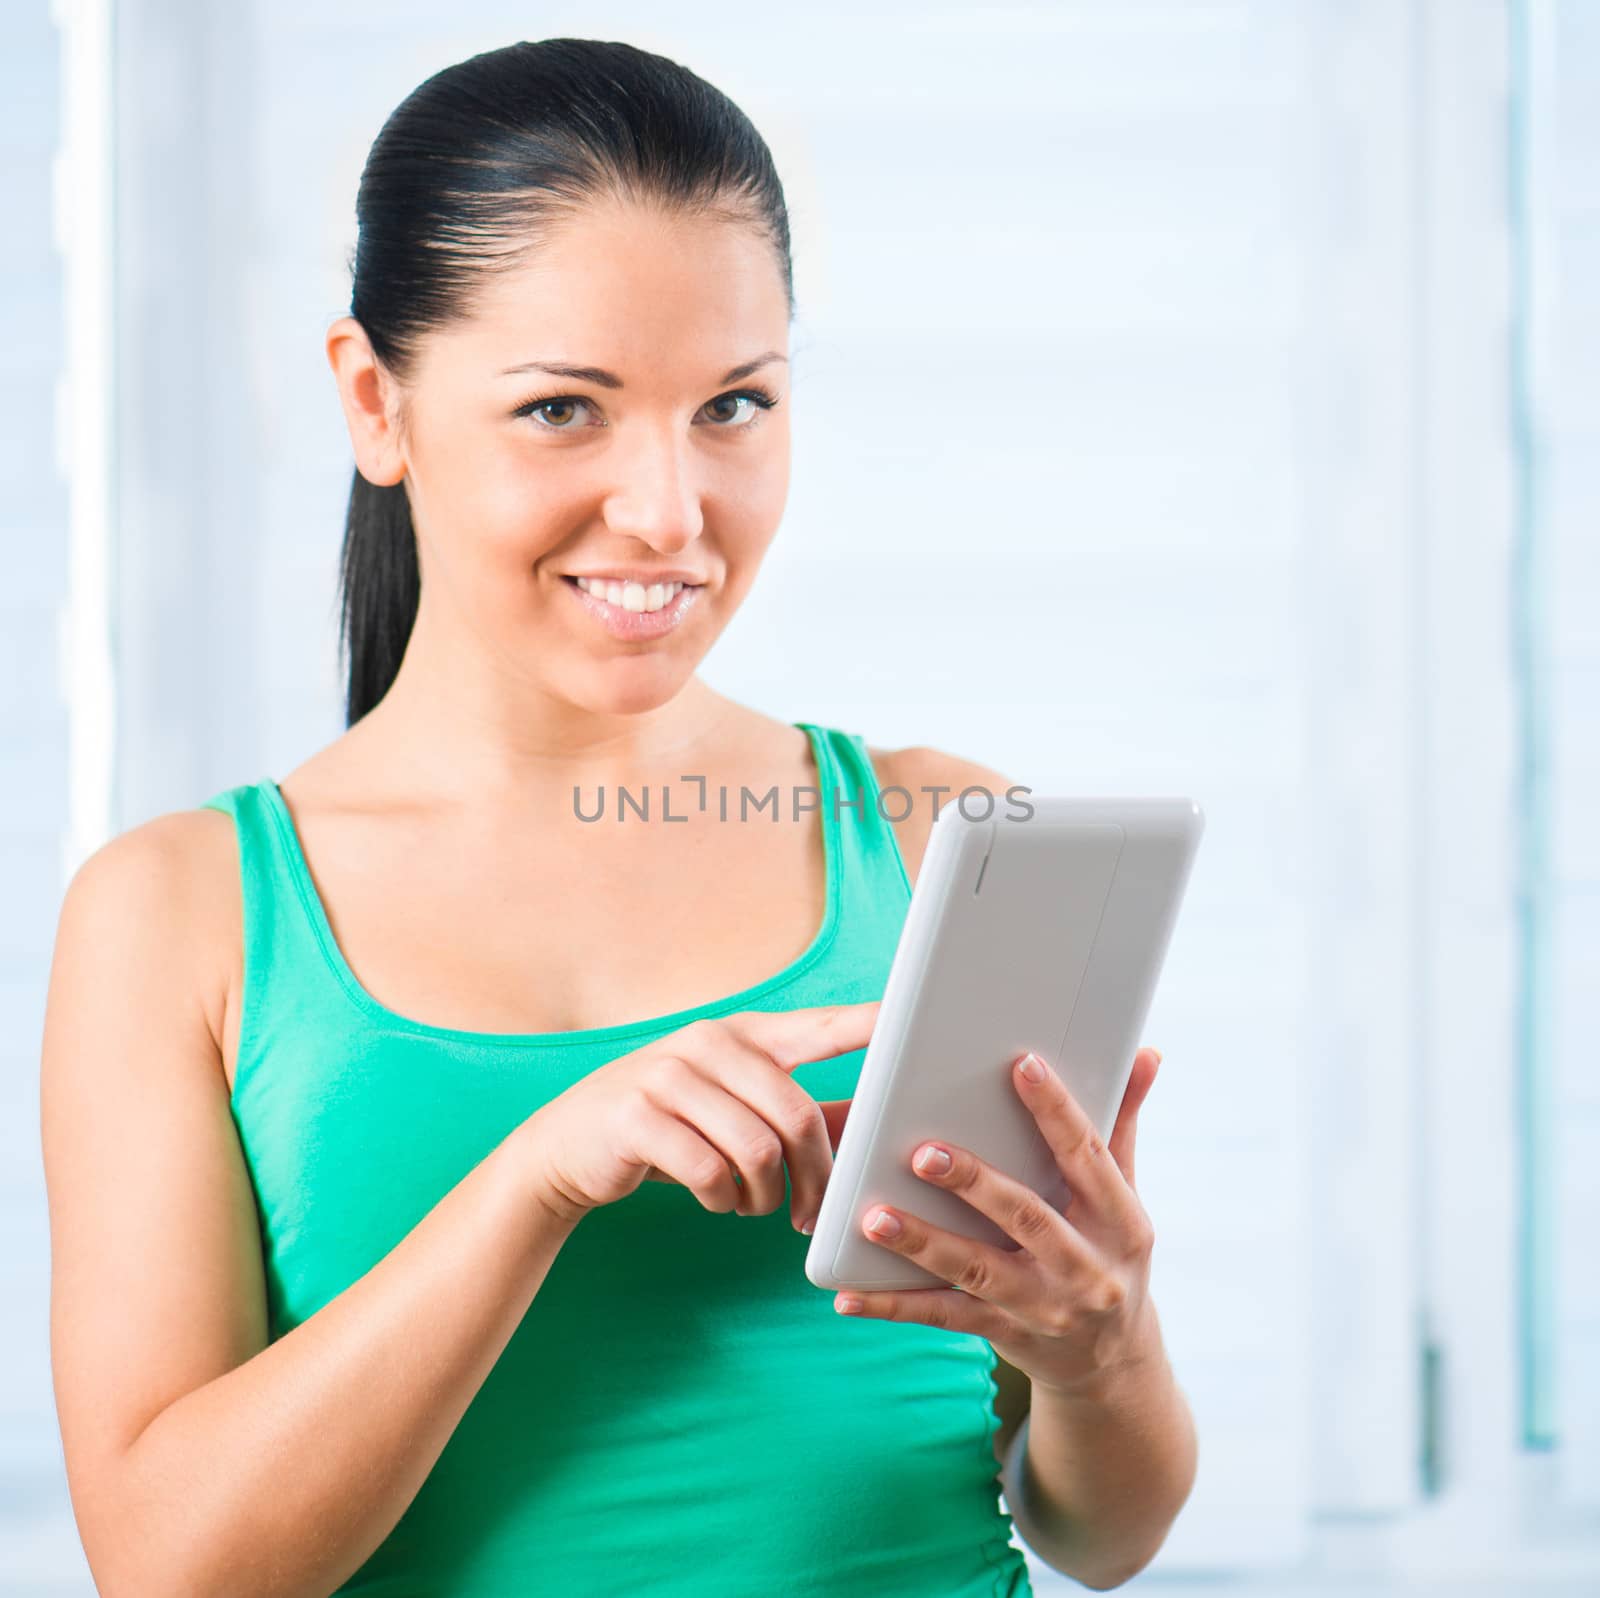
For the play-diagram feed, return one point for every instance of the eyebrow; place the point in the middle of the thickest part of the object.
(604, 379)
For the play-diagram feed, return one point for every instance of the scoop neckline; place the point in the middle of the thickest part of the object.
(333, 955)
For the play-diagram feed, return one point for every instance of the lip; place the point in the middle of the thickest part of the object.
(644, 579)
(635, 626)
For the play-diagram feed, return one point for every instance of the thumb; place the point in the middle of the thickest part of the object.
(834, 1112)
(1120, 1143)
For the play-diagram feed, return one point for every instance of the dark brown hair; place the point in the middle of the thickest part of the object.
(465, 176)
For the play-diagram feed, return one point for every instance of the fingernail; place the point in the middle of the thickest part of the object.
(884, 1224)
(808, 1225)
(1032, 1067)
(932, 1160)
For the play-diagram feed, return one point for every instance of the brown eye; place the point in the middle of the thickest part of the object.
(729, 399)
(758, 399)
(560, 403)
(554, 412)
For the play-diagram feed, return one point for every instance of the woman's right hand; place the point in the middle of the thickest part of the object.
(712, 1098)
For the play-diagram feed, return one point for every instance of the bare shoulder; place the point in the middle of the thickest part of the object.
(156, 1279)
(931, 777)
(167, 893)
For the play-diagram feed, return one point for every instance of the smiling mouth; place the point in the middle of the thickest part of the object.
(631, 595)
(630, 620)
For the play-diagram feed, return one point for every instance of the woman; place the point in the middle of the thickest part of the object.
(348, 1103)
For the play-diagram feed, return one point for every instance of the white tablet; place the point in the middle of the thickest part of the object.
(1043, 931)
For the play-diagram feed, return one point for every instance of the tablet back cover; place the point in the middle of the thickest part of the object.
(1056, 945)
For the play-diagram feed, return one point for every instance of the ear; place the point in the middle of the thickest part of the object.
(370, 401)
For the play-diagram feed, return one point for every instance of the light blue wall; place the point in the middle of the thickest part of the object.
(33, 717)
(1563, 219)
(33, 765)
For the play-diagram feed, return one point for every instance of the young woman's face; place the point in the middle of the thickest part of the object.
(520, 480)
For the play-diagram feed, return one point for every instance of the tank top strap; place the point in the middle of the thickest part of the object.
(873, 870)
(284, 971)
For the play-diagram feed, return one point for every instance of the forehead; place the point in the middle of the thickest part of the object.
(626, 287)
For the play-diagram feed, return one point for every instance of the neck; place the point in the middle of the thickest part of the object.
(457, 721)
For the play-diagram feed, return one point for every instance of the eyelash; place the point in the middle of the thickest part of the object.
(763, 399)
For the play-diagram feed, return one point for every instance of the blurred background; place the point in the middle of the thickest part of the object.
(1190, 398)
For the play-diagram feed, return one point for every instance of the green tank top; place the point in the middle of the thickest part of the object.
(680, 1412)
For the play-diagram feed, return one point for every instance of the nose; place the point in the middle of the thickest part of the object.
(657, 497)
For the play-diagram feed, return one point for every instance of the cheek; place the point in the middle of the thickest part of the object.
(511, 518)
(758, 495)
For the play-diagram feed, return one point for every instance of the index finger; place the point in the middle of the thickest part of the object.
(792, 1038)
(786, 1039)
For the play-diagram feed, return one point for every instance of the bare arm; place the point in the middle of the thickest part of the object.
(200, 1458)
(1097, 1487)
(283, 1475)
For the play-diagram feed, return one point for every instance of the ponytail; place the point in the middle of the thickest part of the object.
(381, 586)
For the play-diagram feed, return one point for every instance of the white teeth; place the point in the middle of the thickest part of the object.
(631, 596)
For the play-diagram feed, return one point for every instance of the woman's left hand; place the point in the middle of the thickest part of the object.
(1073, 1303)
